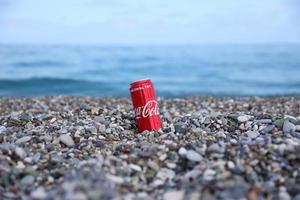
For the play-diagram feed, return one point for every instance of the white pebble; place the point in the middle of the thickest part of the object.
(174, 195)
(39, 193)
(244, 118)
(2, 129)
(182, 151)
(135, 167)
(252, 134)
(67, 140)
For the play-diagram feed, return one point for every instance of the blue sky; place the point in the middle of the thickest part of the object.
(149, 21)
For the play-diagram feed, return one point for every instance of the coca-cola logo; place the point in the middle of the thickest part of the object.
(148, 110)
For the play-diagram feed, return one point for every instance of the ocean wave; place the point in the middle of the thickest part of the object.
(33, 64)
(59, 86)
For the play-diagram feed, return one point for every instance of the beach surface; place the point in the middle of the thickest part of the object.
(209, 148)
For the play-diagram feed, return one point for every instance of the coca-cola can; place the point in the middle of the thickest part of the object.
(145, 105)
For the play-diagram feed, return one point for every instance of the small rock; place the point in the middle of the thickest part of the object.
(39, 193)
(230, 165)
(171, 165)
(27, 180)
(288, 127)
(290, 118)
(23, 139)
(215, 148)
(180, 127)
(252, 134)
(101, 128)
(115, 179)
(244, 118)
(2, 129)
(283, 194)
(279, 122)
(36, 157)
(193, 156)
(208, 174)
(20, 165)
(25, 117)
(92, 130)
(135, 167)
(20, 152)
(174, 195)
(182, 151)
(56, 158)
(297, 128)
(165, 174)
(268, 129)
(67, 140)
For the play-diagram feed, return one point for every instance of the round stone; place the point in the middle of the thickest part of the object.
(66, 139)
(288, 127)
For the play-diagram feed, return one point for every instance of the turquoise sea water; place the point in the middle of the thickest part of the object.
(221, 70)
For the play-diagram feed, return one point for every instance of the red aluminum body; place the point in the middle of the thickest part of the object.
(145, 105)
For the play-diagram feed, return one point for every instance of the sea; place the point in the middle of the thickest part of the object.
(176, 70)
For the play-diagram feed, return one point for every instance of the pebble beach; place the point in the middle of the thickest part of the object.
(209, 148)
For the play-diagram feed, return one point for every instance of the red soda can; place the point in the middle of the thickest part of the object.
(145, 105)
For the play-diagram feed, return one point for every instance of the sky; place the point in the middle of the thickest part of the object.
(149, 21)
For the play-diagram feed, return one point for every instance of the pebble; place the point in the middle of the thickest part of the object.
(39, 193)
(182, 151)
(252, 134)
(2, 129)
(209, 174)
(165, 174)
(243, 118)
(23, 139)
(27, 180)
(174, 195)
(180, 127)
(193, 156)
(268, 129)
(288, 127)
(283, 194)
(20, 152)
(290, 118)
(215, 148)
(25, 117)
(67, 140)
(135, 167)
(202, 152)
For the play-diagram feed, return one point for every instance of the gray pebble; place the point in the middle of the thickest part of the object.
(252, 134)
(27, 180)
(180, 127)
(268, 129)
(23, 139)
(215, 148)
(193, 156)
(20, 152)
(2, 129)
(25, 117)
(39, 193)
(288, 127)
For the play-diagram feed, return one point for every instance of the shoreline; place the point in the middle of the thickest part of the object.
(210, 147)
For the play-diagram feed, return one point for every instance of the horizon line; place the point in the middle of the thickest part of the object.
(148, 44)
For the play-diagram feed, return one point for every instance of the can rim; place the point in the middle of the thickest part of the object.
(140, 81)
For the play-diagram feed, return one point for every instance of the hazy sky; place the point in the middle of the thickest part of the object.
(149, 21)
